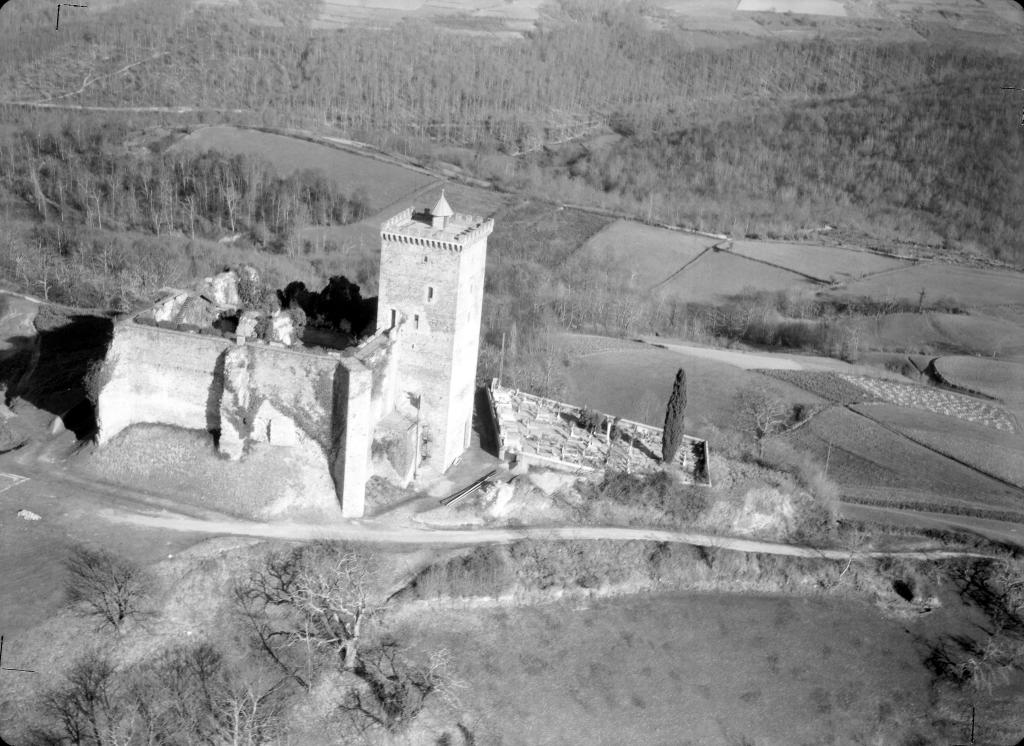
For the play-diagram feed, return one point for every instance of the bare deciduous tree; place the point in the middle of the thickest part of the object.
(108, 586)
(762, 414)
(395, 688)
(85, 706)
(317, 597)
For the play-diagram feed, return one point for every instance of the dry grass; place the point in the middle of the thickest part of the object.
(668, 668)
(971, 287)
(976, 334)
(383, 183)
(1002, 380)
(645, 255)
(991, 451)
(635, 383)
(823, 262)
(865, 458)
(717, 275)
(268, 483)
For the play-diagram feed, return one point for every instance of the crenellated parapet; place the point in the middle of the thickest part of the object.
(458, 231)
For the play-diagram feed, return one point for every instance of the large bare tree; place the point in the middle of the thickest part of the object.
(317, 598)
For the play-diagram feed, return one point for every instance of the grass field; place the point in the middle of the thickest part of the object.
(994, 452)
(978, 334)
(1003, 380)
(636, 383)
(969, 286)
(822, 262)
(717, 275)
(866, 458)
(383, 183)
(683, 669)
(644, 254)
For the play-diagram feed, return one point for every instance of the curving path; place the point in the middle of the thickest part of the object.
(370, 530)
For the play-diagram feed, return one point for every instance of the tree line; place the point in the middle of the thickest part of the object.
(891, 142)
(77, 175)
(586, 61)
(937, 167)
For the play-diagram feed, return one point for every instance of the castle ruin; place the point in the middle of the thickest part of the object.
(408, 383)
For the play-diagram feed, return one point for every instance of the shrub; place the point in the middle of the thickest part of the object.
(591, 419)
(110, 587)
(660, 493)
(96, 377)
(482, 572)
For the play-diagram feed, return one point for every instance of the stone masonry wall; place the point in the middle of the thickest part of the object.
(160, 376)
(466, 346)
(246, 392)
(407, 273)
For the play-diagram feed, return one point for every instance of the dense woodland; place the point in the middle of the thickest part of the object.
(892, 144)
(77, 174)
(896, 143)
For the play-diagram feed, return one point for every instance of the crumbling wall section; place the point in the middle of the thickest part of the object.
(160, 376)
(380, 353)
(246, 393)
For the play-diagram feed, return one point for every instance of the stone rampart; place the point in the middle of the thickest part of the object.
(160, 376)
(247, 393)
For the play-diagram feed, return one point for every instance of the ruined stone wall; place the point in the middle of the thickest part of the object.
(160, 376)
(249, 393)
(380, 354)
(326, 397)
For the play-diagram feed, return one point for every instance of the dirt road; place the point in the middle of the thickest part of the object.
(370, 530)
(119, 506)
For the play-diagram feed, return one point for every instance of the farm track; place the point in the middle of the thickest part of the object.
(132, 507)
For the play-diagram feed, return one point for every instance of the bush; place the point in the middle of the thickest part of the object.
(96, 377)
(660, 493)
(818, 511)
(482, 572)
(108, 586)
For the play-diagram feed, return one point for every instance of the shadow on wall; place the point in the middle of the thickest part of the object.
(49, 370)
(213, 400)
(484, 424)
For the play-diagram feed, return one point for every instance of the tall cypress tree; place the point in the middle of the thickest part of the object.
(672, 435)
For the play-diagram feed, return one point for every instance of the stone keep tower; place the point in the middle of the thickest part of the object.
(431, 288)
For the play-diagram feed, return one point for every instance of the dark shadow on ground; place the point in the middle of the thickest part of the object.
(49, 370)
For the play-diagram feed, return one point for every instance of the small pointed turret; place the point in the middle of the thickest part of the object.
(441, 212)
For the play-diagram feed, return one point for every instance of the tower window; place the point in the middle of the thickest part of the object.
(415, 321)
(394, 317)
(425, 258)
(430, 294)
